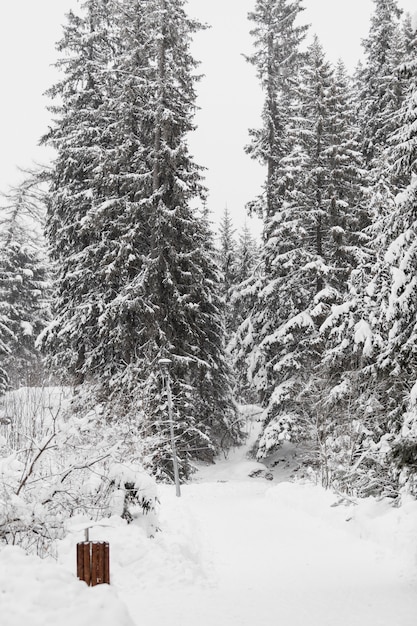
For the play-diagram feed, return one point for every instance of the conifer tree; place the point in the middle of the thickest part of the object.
(247, 256)
(311, 247)
(302, 270)
(24, 282)
(369, 395)
(176, 292)
(78, 199)
(243, 303)
(146, 285)
(396, 362)
(409, 37)
(277, 58)
(381, 93)
(227, 263)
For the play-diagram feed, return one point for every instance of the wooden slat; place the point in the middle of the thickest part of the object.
(87, 562)
(100, 563)
(95, 564)
(80, 561)
(106, 554)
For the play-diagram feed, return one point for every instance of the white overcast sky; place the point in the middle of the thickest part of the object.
(229, 96)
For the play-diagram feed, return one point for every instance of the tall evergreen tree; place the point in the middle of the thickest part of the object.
(292, 347)
(277, 58)
(243, 302)
(381, 93)
(24, 282)
(227, 263)
(396, 363)
(78, 199)
(247, 255)
(177, 290)
(137, 281)
(372, 333)
(311, 246)
(409, 38)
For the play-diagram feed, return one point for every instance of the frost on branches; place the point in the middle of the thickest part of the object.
(24, 283)
(329, 342)
(136, 276)
(56, 465)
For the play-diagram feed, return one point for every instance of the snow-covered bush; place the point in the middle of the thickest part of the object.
(55, 464)
(133, 494)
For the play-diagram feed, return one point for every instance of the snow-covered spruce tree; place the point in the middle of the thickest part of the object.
(96, 221)
(247, 254)
(242, 302)
(24, 282)
(137, 280)
(227, 263)
(409, 38)
(346, 253)
(239, 264)
(314, 249)
(120, 213)
(278, 59)
(381, 91)
(376, 336)
(364, 399)
(309, 252)
(396, 363)
(331, 171)
(247, 269)
(78, 202)
(373, 328)
(352, 411)
(176, 294)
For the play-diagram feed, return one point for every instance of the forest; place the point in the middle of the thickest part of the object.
(109, 263)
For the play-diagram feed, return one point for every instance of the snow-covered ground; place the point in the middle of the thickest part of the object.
(235, 551)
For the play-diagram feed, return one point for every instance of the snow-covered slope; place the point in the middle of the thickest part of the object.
(233, 551)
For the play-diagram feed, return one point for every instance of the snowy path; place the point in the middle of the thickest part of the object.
(254, 552)
(268, 563)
